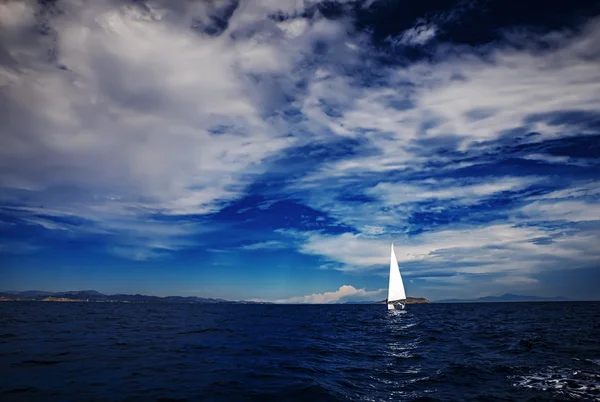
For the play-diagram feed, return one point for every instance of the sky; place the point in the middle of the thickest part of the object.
(273, 149)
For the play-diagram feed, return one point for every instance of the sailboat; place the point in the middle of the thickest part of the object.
(396, 293)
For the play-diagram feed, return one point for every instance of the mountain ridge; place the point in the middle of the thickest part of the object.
(95, 296)
(505, 298)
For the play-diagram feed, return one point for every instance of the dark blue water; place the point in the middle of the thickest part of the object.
(123, 352)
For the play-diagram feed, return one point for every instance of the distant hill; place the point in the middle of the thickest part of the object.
(95, 296)
(86, 292)
(508, 297)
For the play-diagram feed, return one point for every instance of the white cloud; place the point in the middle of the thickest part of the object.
(567, 211)
(417, 35)
(120, 225)
(15, 13)
(293, 28)
(145, 115)
(372, 230)
(343, 294)
(465, 193)
(141, 94)
(560, 160)
(47, 224)
(265, 245)
(462, 102)
(463, 96)
(359, 252)
(136, 114)
(485, 250)
(578, 189)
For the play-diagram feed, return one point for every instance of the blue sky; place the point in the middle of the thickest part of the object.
(271, 150)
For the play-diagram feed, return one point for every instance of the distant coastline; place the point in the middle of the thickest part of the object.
(92, 296)
(505, 298)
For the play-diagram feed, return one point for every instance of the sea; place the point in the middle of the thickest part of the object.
(236, 352)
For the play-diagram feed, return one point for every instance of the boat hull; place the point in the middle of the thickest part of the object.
(397, 306)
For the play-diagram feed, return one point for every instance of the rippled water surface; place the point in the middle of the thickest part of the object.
(98, 351)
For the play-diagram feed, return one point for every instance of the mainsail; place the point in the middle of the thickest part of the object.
(396, 289)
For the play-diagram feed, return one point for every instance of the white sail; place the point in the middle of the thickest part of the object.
(396, 288)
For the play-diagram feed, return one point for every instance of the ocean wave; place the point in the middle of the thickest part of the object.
(562, 382)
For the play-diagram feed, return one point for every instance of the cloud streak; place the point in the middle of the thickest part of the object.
(343, 294)
(265, 245)
(417, 36)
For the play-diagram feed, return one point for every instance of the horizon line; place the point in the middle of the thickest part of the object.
(440, 301)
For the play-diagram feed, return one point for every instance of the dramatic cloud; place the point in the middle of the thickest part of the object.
(139, 102)
(200, 130)
(465, 96)
(135, 113)
(433, 119)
